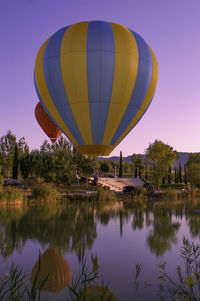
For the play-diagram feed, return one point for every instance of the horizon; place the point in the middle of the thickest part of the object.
(171, 30)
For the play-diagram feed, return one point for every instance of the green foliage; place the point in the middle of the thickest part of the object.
(138, 191)
(44, 192)
(159, 156)
(193, 174)
(105, 195)
(169, 175)
(193, 158)
(138, 166)
(180, 173)
(186, 284)
(175, 175)
(11, 195)
(120, 165)
(16, 286)
(7, 147)
(15, 165)
(173, 186)
(185, 174)
(104, 167)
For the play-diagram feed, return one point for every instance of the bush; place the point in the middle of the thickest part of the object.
(44, 192)
(173, 186)
(138, 191)
(11, 195)
(105, 195)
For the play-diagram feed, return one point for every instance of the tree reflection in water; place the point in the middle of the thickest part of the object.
(163, 234)
(73, 227)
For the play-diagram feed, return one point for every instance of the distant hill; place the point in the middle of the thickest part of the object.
(183, 157)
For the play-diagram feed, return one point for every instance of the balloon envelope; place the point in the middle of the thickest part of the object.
(96, 79)
(48, 126)
(53, 268)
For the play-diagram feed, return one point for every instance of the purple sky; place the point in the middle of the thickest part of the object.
(170, 27)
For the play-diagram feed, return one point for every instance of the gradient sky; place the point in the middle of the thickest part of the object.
(170, 27)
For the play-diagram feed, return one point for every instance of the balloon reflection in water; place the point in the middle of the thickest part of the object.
(94, 293)
(53, 267)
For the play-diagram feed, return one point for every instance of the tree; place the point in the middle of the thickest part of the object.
(185, 174)
(193, 158)
(15, 163)
(120, 165)
(193, 174)
(63, 167)
(146, 170)
(134, 162)
(169, 176)
(175, 175)
(160, 156)
(180, 173)
(104, 167)
(7, 147)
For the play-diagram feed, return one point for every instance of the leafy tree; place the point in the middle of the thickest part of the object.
(120, 165)
(193, 158)
(64, 169)
(140, 165)
(7, 147)
(15, 163)
(134, 162)
(25, 166)
(160, 156)
(104, 167)
(193, 174)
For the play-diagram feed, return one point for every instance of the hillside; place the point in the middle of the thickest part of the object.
(183, 157)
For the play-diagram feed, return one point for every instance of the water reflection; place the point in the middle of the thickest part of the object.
(163, 234)
(51, 271)
(73, 228)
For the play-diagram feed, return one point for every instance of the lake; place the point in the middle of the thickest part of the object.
(111, 237)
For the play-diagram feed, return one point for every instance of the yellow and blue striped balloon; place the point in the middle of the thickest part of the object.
(95, 80)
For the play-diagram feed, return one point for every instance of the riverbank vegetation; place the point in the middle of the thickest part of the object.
(62, 170)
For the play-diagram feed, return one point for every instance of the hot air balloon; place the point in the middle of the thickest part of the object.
(95, 80)
(53, 268)
(48, 126)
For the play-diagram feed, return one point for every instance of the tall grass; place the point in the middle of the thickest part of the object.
(15, 286)
(105, 195)
(11, 195)
(44, 192)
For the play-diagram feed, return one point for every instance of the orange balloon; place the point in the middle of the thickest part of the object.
(48, 126)
(53, 270)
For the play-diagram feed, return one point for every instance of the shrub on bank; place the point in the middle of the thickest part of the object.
(173, 186)
(11, 195)
(105, 195)
(138, 191)
(44, 192)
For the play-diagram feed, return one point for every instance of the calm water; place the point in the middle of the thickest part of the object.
(113, 237)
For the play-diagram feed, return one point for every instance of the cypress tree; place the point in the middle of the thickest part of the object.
(146, 172)
(15, 163)
(163, 180)
(185, 174)
(175, 176)
(169, 176)
(180, 173)
(120, 165)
